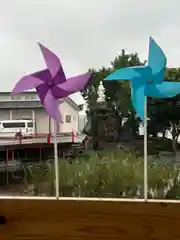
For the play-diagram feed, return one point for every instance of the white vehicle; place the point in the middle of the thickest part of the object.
(9, 128)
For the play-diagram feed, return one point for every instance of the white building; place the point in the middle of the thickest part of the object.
(27, 105)
(82, 122)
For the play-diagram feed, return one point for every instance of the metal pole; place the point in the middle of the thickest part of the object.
(145, 152)
(34, 120)
(56, 163)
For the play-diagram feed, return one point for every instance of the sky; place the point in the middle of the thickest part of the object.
(83, 33)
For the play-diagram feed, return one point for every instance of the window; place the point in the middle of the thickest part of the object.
(30, 125)
(30, 97)
(68, 118)
(13, 125)
(15, 98)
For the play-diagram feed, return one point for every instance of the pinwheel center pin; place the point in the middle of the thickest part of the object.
(50, 83)
(150, 81)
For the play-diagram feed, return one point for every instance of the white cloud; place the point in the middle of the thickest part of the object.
(83, 33)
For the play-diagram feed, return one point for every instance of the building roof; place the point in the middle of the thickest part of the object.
(30, 104)
(73, 104)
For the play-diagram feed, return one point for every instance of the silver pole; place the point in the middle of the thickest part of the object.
(56, 163)
(145, 152)
(34, 121)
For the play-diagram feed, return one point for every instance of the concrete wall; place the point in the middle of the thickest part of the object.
(42, 121)
(67, 109)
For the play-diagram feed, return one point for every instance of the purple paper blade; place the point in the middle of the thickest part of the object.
(26, 83)
(59, 93)
(51, 84)
(42, 91)
(44, 75)
(75, 84)
(53, 63)
(52, 107)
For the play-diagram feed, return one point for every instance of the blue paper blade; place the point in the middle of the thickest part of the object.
(130, 73)
(157, 61)
(163, 90)
(138, 97)
(123, 74)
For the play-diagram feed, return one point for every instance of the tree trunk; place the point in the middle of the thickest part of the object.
(174, 138)
(164, 134)
(174, 145)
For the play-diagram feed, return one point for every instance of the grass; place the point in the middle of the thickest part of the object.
(106, 174)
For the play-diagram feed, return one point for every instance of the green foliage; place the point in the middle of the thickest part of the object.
(173, 74)
(117, 93)
(115, 174)
(35, 176)
(165, 116)
(90, 93)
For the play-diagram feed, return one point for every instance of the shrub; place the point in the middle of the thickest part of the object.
(113, 174)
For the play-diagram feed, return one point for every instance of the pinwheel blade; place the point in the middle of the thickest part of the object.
(52, 107)
(53, 63)
(57, 92)
(163, 90)
(26, 83)
(42, 91)
(44, 75)
(138, 97)
(129, 73)
(74, 84)
(156, 61)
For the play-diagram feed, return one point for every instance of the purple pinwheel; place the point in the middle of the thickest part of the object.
(51, 83)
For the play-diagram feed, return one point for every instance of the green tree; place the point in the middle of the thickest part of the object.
(172, 74)
(117, 93)
(164, 114)
(90, 94)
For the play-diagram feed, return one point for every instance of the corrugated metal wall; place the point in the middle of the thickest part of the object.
(4, 114)
(21, 113)
(42, 121)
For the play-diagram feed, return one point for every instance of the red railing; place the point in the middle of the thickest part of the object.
(73, 136)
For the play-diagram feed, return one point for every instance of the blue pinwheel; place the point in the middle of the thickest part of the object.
(147, 80)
